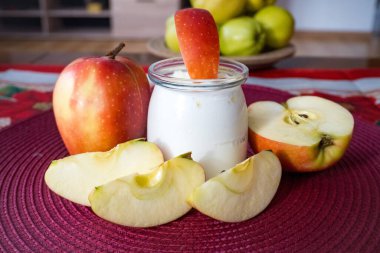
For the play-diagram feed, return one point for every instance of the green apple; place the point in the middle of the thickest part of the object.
(255, 5)
(278, 24)
(242, 192)
(171, 39)
(221, 10)
(241, 36)
(74, 177)
(149, 199)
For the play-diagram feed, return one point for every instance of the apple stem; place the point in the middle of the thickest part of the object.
(112, 54)
(186, 155)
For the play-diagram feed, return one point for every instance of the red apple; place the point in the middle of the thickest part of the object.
(100, 102)
(198, 42)
(307, 133)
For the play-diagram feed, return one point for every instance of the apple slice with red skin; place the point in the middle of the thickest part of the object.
(198, 42)
(100, 102)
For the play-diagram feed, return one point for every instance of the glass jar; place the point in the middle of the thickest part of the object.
(206, 117)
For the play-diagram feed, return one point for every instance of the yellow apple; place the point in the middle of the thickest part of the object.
(74, 177)
(242, 192)
(149, 199)
(255, 5)
(221, 10)
(171, 39)
(307, 133)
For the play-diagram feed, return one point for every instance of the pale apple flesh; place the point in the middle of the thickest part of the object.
(74, 177)
(307, 133)
(149, 199)
(242, 192)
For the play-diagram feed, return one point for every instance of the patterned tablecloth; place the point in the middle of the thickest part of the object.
(336, 210)
(26, 90)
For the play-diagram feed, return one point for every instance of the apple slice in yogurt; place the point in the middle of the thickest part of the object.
(242, 192)
(198, 42)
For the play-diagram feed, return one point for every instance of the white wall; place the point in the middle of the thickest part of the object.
(332, 15)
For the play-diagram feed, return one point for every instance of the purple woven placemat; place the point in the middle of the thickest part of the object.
(335, 210)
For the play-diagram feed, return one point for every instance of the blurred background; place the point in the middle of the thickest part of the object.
(57, 31)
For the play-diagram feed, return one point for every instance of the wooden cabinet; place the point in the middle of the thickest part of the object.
(85, 18)
(17, 17)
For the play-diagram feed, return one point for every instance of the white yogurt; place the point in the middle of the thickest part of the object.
(210, 122)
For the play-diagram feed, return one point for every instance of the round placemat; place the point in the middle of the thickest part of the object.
(336, 210)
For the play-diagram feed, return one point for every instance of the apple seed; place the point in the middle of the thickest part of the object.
(295, 118)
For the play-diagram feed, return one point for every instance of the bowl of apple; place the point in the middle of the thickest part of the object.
(257, 35)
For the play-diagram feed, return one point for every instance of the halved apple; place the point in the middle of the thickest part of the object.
(307, 133)
(242, 192)
(74, 177)
(149, 199)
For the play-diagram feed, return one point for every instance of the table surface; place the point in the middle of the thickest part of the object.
(294, 62)
(313, 50)
(145, 58)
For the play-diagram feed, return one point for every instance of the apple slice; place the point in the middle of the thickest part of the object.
(198, 42)
(242, 192)
(307, 133)
(74, 177)
(149, 199)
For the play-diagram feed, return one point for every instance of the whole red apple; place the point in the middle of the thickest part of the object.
(99, 102)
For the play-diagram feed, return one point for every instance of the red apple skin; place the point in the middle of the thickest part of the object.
(301, 158)
(198, 42)
(99, 102)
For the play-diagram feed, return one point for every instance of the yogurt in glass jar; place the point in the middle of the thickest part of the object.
(207, 117)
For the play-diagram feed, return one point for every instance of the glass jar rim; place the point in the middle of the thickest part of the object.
(232, 73)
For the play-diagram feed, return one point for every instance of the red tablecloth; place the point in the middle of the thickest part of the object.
(336, 210)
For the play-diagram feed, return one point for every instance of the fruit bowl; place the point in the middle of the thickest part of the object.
(157, 47)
